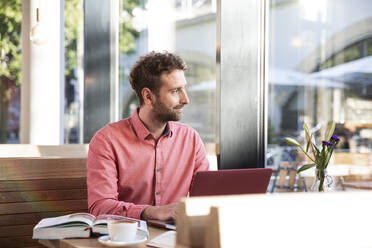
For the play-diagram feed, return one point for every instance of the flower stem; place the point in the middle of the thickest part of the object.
(321, 176)
(328, 157)
(307, 154)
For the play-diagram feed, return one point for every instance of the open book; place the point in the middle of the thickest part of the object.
(78, 225)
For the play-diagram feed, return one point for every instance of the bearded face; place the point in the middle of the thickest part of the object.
(165, 113)
(171, 98)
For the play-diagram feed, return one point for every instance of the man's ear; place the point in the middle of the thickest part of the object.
(148, 96)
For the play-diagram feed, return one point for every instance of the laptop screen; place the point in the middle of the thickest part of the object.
(229, 182)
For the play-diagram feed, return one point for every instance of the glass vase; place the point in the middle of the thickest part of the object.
(322, 182)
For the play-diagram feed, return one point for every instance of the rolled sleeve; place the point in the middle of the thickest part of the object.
(201, 160)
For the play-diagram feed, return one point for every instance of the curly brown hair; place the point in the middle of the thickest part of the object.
(148, 69)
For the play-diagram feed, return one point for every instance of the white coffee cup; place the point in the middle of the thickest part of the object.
(122, 231)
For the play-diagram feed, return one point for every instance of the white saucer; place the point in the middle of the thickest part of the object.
(140, 238)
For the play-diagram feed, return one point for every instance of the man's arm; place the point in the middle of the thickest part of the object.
(201, 160)
(102, 179)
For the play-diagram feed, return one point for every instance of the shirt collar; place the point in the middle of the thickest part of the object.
(168, 130)
(142, 132)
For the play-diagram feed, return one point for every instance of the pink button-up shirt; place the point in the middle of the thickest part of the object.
(127, 170)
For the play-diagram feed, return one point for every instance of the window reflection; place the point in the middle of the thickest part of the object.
(320, 70)
(10, 71)
(74, 17)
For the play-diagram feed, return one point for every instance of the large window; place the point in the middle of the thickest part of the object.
(320, 57)
(187, 28)
(10, 70)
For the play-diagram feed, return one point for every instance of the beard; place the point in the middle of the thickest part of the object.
(163, 113)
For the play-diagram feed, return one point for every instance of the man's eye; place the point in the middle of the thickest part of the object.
(175, 91)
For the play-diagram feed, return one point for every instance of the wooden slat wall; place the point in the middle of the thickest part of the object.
(41, 168)
(49, 184)
(36, 188)
(44, 195)
(24, 219)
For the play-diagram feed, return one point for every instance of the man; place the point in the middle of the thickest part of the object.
(141, 166)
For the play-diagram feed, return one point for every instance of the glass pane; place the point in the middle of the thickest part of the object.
(10, 70)
(185, 27)
(320, 70)
(74, 76)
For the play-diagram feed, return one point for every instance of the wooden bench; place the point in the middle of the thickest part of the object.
(32, 188)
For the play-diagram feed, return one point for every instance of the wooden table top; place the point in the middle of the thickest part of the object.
(93, 242)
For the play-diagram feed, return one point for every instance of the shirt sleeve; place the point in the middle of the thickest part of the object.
(102, 180)
(201, 160)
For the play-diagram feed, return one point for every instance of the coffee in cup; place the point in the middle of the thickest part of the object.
(122, 230)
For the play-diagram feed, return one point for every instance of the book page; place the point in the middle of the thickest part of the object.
(102, 220)
(105, 218)
(84, 218)
(164, 240)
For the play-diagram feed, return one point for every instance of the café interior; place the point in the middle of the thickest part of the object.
(258, 71)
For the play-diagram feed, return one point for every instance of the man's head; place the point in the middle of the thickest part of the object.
(158, 80)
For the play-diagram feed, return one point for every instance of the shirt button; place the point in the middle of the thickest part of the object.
(157, 170)
(158, 193)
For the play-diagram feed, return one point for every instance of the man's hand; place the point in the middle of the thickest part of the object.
(165, 212)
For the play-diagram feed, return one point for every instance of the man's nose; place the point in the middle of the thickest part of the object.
(184, 98)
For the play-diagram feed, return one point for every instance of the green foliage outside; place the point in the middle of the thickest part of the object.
(10, 58)
(127, 34)
(10, 36)
(74, 20)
